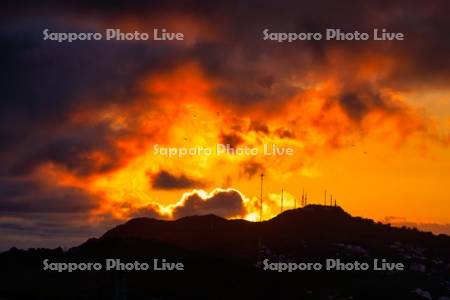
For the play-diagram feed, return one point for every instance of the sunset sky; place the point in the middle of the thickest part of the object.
(368, 121)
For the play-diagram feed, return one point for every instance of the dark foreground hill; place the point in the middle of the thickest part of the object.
(229, 259)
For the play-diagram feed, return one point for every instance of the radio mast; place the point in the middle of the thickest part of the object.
(281, 206)
(303, 197)
(295, 202)
(261, 198)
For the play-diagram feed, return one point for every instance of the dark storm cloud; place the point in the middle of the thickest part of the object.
(257, 72)
(247, 75)
(35, 214)
(250, 70)
(353, 105)
(44, 224)
(149, 211)
(24, 230)
(358, 102)
(44, 83)
(71, 149)
(26, 196)
(164, 180)
(244, 63)
(226, 203)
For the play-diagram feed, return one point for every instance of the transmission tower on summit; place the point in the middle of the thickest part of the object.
(281, 200)
(261, 198)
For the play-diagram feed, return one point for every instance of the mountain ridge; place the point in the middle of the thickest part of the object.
(220, 255)
(314, 224)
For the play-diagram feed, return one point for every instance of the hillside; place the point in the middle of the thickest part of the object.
(220, 256)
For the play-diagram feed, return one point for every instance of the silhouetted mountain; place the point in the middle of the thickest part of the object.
(315, 224)
(223, 259)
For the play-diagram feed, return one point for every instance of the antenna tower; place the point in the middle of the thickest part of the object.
(261, 198)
